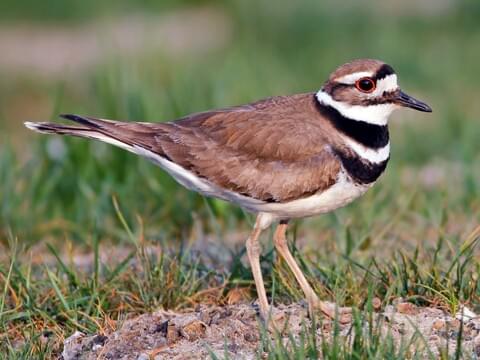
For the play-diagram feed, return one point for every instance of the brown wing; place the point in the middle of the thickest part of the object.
(273, 150)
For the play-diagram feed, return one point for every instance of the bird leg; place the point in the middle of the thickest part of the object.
(253, 252)
(329, 309)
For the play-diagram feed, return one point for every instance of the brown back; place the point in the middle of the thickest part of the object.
(277, 149)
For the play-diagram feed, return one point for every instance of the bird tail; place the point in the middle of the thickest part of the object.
(87, 127)
(85, 130)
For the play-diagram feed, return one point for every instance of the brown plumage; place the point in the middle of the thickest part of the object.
(269, 150)
(354, 66)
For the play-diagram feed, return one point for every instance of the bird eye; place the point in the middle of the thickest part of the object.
(366, 85)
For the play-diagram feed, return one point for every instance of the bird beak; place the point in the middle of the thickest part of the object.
(403, 99)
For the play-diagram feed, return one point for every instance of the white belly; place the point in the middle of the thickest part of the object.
(341, 193)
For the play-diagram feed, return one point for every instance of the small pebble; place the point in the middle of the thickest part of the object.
(465, 314)
(476, 341)
(453, 324)
(172, 333)
(401, 328)
(397, 301)
(250, 337)
(237, 295)
(233, 347)
(215, 319)
(406, 308)
(193, 330)
(438, 324)
(43, 339)
(327, 326)
(161, 328)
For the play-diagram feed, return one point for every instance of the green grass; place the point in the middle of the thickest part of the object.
(411, 236)
(45, 304)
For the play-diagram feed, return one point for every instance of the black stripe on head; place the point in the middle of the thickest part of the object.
(383, 72)
(362, 172)
(370, 135)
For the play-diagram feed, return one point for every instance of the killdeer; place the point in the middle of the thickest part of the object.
(283, 157)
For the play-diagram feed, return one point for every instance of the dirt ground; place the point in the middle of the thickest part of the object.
(234, 329)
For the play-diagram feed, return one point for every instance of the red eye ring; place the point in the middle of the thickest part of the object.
(366, 85)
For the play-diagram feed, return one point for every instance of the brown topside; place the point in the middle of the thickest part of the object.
(278, 149)
(358, 65)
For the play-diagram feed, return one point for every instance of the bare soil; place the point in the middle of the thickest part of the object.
(235, 330)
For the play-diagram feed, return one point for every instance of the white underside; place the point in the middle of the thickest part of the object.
(341, 193)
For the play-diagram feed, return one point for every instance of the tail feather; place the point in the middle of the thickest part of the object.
(52, 128)
(88, 122)
(89, 128)
(88, 125)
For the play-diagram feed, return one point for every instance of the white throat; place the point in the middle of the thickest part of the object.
(373, 114)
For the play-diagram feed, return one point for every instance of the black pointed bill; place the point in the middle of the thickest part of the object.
(403, 99)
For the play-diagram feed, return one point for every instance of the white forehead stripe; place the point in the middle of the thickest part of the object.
(352, 78)
(388, 83)
(373, 114)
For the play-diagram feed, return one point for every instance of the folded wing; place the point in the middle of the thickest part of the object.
(269, 150)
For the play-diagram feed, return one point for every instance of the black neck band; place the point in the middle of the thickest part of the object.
(370, 135)
(361, 171)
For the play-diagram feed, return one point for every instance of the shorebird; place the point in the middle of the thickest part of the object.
(282, 158)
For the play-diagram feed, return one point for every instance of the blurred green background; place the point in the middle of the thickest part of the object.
(159, 60)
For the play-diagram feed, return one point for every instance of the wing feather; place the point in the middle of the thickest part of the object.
(277, 149)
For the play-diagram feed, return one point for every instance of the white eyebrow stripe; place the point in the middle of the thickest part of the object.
(352, 78)
(388, 83)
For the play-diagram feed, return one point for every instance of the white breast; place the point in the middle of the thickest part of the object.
(340, 194)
